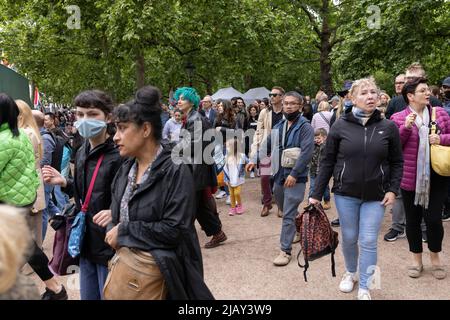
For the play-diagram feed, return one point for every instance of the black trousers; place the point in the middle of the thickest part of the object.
(432, 216)
(206, 213)
(38, 261)
(447, 201)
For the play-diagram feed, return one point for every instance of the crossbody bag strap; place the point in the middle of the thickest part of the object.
(324, 118)
(91, 185)
(283, 135)
(433, 120)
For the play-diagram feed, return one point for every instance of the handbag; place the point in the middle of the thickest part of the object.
(79, 224)
(134, 275)
(61, 262)
(288, 156)
(440, 155)
(219, 158)
(221, 179)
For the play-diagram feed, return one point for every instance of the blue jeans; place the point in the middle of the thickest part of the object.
(288, 200)
(360, 224)
(312, 182)
(61, 198)
(92, 280)
(50, 209)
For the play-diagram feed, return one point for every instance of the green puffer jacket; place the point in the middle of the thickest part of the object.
(18, 177)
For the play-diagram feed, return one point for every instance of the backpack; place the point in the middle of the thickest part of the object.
(57, 154)
(317, 239)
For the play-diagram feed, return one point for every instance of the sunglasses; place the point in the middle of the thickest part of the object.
(274, 94)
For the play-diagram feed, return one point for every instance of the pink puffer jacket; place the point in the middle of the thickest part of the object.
(410, 143)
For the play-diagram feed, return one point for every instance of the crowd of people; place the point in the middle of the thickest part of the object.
(140, 242)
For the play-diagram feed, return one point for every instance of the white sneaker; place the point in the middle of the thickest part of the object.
(364, 294)
(252, 174)
(282, 259)
(221, 194)
(348, 281)
(228, 200)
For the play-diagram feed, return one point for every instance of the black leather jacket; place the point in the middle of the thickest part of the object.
(161, 215)
(94, 247)
(204, 173)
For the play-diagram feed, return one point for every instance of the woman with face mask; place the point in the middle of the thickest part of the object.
(93, 113)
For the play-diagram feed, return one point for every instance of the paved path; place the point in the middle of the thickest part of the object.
(242, 267)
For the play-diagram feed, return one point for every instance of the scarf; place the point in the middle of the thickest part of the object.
(423, 160)
(361, 115)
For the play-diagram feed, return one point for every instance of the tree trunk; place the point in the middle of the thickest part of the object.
(325, 51)
(140, 70)
(209, 89)
(248, 82)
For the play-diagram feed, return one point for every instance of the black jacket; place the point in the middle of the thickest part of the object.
(365, 161)
(94, 247)
(204, 173)
(398, 104)
(241, 120)
(161, 221)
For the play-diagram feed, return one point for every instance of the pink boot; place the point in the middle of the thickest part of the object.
(232, 212)
(239, 209)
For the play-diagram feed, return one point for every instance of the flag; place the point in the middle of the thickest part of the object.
(36, 98)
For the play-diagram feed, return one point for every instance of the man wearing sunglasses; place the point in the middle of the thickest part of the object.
(267, 119)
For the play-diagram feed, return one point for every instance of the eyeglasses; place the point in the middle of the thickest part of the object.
(274, 94)
(400, 82)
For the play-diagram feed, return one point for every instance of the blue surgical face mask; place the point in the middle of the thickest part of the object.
(89, 128)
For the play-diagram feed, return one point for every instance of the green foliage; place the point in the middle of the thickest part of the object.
(410, 31)
(240, 43)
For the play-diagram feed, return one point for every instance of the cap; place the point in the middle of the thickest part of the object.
(346, 88)
(446, 82)
(335, 98)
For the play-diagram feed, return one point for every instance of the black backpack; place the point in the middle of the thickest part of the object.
(59, 150)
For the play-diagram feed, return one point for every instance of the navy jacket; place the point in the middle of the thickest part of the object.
(212, 116)
(300, 135)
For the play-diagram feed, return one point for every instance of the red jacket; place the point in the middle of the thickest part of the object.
(410, 142)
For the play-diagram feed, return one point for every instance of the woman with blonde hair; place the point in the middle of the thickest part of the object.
(19, 183)
(14, 242)
(364, 155)
(27, 122)
(384, 102)
(322, 119)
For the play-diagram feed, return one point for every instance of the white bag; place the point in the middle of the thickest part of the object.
(289, 157)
